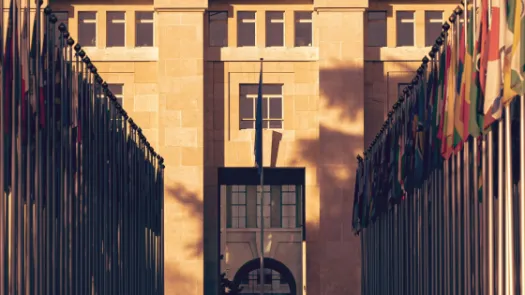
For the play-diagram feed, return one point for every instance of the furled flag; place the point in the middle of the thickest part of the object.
(492, 102)
(463, 71)
(259, 127)
(8, 97)
(514, 66)
(24, 68)
(448, 124)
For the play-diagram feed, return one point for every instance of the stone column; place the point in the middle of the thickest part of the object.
(179, 30)
(336, 253)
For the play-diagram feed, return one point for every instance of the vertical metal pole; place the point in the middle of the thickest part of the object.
(500, 203)
(522, 196)
(490, 213)
(509, 247)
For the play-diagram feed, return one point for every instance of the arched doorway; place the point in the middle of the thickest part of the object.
(278, 279)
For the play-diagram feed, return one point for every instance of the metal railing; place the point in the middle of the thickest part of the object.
(440, 193)
(81, 206)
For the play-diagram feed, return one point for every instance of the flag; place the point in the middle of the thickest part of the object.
(8, 97)
(463, 71)
(24, 75)
(514, 64)
(259, 127)
(450, 97)
(492, 99)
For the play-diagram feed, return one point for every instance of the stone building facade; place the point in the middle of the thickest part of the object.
(185, 70)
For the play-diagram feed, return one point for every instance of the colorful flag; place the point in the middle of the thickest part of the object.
(450, 93)
(492, 108)
(463, 71)
(24, 75)
(259, 127)
(8, 76)
(514, 65)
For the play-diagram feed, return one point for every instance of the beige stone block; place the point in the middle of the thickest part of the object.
(143, 119)
(151, 136)
(146, 88)
(146, 103)
(171, 155)
(191, 118)
(191, 67)
(303, 103)
(192, 49)
(170, 118)
(192, 156)
(172, 68)
(193, 18)
(306, 89)
(146, 72)
(178, 136)
(121, 67)
(168, 18)
(305, 76)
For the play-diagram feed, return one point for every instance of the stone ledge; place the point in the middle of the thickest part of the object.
(255, 54)
(395, 53)
(122, 54)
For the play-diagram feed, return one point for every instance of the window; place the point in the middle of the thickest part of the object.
(289, 206)
(400, 88)
(116, 29)
(144, 29)
(87, 28)
(376, 29)
(218, 28)
(117, 90)
(266, 203)
(274, 28)
(272, 106)
(62, 18)
(405, 28)
(245, 28)
(433, 22)
(238, 202)
(303, 28)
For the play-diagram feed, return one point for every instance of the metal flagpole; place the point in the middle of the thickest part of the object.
(521, 197)
(261, 169)
(509, 246)
(500, 205)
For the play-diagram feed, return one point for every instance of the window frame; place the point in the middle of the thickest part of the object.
(412, 21)
(210, 21)
(432, 20)
(283, 205)
(268, 97)
(386, 27)
(148, 21)
(281, 21)
(311, 21)
(266, 191)
(233, 205)
(95, 21)
(120, 21)
(400, 87)
(254, 21)
(118, 96)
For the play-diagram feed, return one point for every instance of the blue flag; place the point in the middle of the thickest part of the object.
(258, 128)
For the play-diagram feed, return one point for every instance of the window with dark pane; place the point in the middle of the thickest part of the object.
(87, 28)
(264, 200)
(238, 209)
(376, 29)
(405, 30)
(116, 29)
(62, 18)
(274, 28)
(433, 23)
(245, 28)
(288, 206)
(272, 104)
(400, 88)
(303, 28)
(218, 28)
(144, 29)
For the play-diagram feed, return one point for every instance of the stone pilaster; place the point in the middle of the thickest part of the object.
(180, 30)
(336, 254)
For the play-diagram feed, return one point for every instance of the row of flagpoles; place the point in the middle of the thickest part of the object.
(440, 194)
(81, 205)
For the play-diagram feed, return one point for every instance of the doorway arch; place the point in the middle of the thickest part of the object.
(271, 264)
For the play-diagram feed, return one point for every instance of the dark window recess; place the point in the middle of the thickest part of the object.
(87, 28)
(245, 28)
(272, 106)
(433, 23)
(274, 29)
(218, 28)
(303, 28)
(144, 29)
(405, 28)
(376, 29)
(116, 29)
(118, 91)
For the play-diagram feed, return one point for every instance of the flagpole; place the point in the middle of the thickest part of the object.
(261, 169)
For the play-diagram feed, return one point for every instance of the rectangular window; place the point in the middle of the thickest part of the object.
(115, 29)
(274, 29)
(118, 91)
(376, 29)
(405, 30)
(62, 18)
(144, 29)
(87, 28)
(288, 206)
(433, 22)
(218, 28)
(266, 203)
(238, 206)
(303, 28)
(272, 106)
(246, 28)
(400, 88)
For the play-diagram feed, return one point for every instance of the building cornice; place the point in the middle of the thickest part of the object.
(339, 9)
(179, 9)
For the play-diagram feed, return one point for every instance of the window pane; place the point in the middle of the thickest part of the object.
(116, 29)
(376, 29)
(265, 107)
(143, 28)
(274, 28)
(269, 89)
(218, 28)
(245, 28)
(242, 198)
(87, 28)
(405, 28)
(303, 28)
(245, 124)
(242, 223)
(249, 89)
(246, 107)
(242, 211)
(274, 124)
(116, 89)
(433, 22)
(276, 108)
